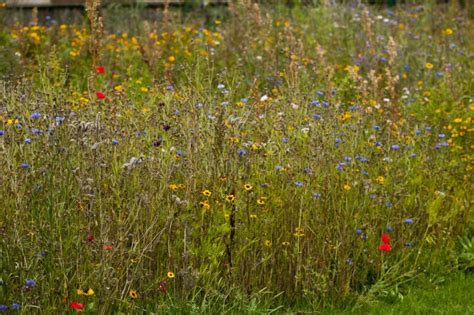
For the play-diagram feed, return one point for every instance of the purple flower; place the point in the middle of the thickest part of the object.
(241, 152)
(3, 307)
(408, 244)
(408, 221)
(59, 119)
(28, 140)
(359, 232)
(278, 167)
(389, 229)
(35, 115)
(2, 132)
(220, 86)
(30, 283)
(316, 195)
(284, 140)
(299, 184)
(413, 155)
(441, 136)
(115, 142)
(395, 147)
(25, 166)
(16, 306)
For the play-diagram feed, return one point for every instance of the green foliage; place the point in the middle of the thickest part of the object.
(246, 163)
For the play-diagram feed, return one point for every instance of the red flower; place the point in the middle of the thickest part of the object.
(90, 237)
(100, 69)
(385, 238)
(76, 306)
(107, 247)
(100, 95)
(385, 247)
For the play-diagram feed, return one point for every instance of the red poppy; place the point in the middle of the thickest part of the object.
(100, 95)
(90, 237)
(385, 247)
(100, 69)
(385, 238)
(107, 247)
(76, 306)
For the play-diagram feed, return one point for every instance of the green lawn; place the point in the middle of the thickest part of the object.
(453, 297)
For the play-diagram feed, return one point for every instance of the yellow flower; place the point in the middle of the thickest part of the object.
(253, 216)
(173, 187)
(380, 180)
(144, 89)
(268, 243)
(429, 65)
(285, 243)
(248, 187)
(118, 88)
(347, 187)
(261, 201)
(230, 198)
(205, 204)
(448, 32)
(133, 294)
(171, 59)
(80, 292)
(207, 193)
(90, 292)
(170, 275)
(457, 120)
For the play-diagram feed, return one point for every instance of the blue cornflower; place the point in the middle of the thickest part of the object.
(28, 140)
(378, 143)
(320, 93)
(389, 229)
(3, 307)
(347, 158)
(30, 283)
(388, 204)
(307, 170)
(417, 131)
(325, 104)
(372, 196)
(2, 132)
(241, 152)
(169, 88)
(359, 232)
(317, 116)
(340, 167)
(316, 103)
(115, 142)
(439, 74)
(36, 131)
(408, 244)
(59, 119)
(441, 136)
(413, 155)
(395, 147)
(338, 140)
(179, 152)
(35, 115)
(428, 128)
(361, 158)
(284, 140)
(316, 195)
(16, 306)
(220, 86)
(444, 144)
(264, 185)
(299, 183)
(25, 166)
(437, 147)
(278, 167)
(376, 128)
(408, 221)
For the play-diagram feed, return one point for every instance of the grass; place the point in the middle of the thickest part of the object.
(234, 160)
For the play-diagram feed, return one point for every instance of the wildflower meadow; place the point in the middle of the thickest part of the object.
(244, 158)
